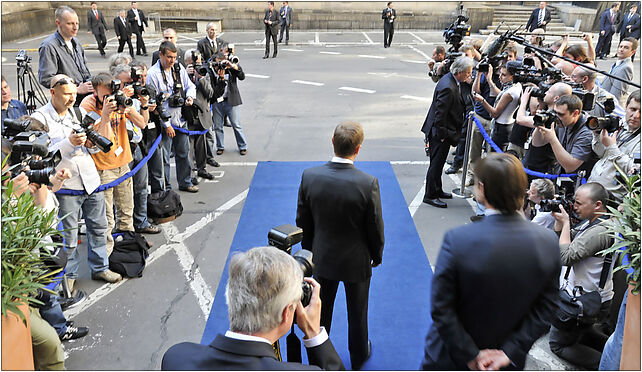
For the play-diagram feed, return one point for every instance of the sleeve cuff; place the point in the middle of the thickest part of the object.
(316, 340)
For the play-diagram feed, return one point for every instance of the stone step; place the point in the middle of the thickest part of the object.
(523, 22)
(548, 29)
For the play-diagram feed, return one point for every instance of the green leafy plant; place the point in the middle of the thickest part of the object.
(626, 229)
(26, 243)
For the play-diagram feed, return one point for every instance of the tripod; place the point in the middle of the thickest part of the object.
(35, 93)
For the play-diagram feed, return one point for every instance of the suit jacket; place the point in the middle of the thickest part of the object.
(446, 115)
(384, 16)
(495, 286)
(226, 353)
(534, 19)
(233, 94)
(617, 88)
(96, 26)
(131, 17)
(276, 21)
(605, 22)
(339, 210)
(634, 22)
(123, 31)
(180, 57)
(286, 18)
(205, 47)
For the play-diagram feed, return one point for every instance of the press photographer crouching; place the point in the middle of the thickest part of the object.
(575, 339)
(68, 136)
(617, 146)
(263, 293)
(112, 102)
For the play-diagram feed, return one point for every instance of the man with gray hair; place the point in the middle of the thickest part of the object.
(210, 44)
(442, 126)
(62, 53)
(263, 293)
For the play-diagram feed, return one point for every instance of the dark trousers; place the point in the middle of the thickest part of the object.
(101, 40)
(199, 147)
(438, 155)
(121, 45)
(388, 32)
(284, 28)
(501, 134)
(269, 35)
(140, 43)
(603, 46)
(357, 305)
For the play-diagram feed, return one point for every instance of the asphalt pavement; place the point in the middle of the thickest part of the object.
(291, 105)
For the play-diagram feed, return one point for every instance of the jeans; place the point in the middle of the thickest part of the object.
(140, 191)
(222, 109)
(122, 196)
(158, 165)
(93, 208)
(612, 352)
(52, 313)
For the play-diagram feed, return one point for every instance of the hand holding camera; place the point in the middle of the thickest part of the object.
(109, 106)
(308, 318)
(608, 139)
(20, 184)
(77, 139)
(548, 134)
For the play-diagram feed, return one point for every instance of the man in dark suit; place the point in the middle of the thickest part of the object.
(210, 44)
(123, 32)
(263, 293)
(495, 285)
(286, 22)
(539, 18)
(442, 126)
(630, 26)
(389, 15)
(169, 34)
(272, 21)
(339, 210)
(609, 20)
(138, 22)
(96, 25)
(622, 68)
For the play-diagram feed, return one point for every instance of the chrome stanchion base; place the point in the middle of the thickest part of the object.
(463, 195)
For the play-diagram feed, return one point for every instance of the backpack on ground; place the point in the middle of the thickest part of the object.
(129, 255)
(164, 206)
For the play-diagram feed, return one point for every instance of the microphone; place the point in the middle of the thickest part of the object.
(497, 46)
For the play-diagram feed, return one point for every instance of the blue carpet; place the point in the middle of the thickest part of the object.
(399, 307)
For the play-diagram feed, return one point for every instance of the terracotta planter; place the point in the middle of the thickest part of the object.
(630, 360)
(17, 353)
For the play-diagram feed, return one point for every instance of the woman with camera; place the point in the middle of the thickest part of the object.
(506, 104)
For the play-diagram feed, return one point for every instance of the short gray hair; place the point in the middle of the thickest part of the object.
(461, 64)
(211, 24)
(120, 69)
(261, 283)
(545, 188)
(61, 10)
(119, 59)
(188, 56)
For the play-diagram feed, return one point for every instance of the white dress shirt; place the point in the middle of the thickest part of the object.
(137, 16)
(312, 342)
(336, 159)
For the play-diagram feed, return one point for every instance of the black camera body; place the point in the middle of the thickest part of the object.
(457, 30)
(26, 145)
(117, 95)
(553, 205)
(86, 126)
(139, 89)
(611, 123)
(22, 58)
(495, 61)
(588, 98)
(162, 112)
(544, 118)
(284, 237)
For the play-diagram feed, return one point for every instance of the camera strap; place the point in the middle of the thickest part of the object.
(608, 259)
(629, 138)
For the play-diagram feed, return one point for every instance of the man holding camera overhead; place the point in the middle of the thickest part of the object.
(114, 106)
(172, 81)
(61, 120)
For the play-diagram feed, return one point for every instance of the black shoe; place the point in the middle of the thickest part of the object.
(274, 55)
(69, 323)
(266, 56)
(280, 41)
(73, 333)
(446, 195)
(213, 162)
(243, 152)
(436, 203)
(206, 175)
(191, 189)
(77, 297)
(286, 42)
(358, 367)
(145, 54)
(449, 162)
(151, 229)
(138, 54)
(477, 218)
(452, 170)
(195, 181)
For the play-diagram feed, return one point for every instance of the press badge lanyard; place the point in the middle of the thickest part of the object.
(629, 138)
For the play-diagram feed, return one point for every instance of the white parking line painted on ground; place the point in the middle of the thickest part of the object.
(316, 38)
(333, 53)
(258, 76)
(238, 164)
(368, 37)
(189, 38)
(415, 98)
(417, 37)
(419, 51)
(358, 90)
(292, 50)
(413, 61)
(4, 59)
(416, 202)
(371, 56)
(407, 162)
(32, 39)
(308, 83)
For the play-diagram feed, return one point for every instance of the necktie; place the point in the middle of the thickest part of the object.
(613, 68)
(96, 13)
(541, 17)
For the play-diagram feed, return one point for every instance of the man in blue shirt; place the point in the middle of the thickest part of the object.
(11, 108)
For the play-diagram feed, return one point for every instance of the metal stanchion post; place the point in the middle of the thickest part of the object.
(462, 192)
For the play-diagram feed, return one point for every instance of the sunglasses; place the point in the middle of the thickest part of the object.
(63, 81)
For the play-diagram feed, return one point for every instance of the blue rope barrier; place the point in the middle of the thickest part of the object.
(120, 179)
(189, 132)
(497, 149)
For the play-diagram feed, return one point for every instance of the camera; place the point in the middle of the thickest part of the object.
(230, 54)
(284, 237)
(139, 89)
(457, 30)
(553, 205)
(541, 90)
(495, 61)
(117, 95)
(14, 126)
(611, 123)
(162, 112)
(544, 118)
(588, 98)
(87, 127)
(24, 148)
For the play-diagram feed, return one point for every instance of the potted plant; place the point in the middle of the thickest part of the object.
(26, 229)
(626, 234)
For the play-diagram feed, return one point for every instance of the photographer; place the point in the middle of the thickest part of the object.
(199, 115)
(617, 148)
(587, 78)
(435, 63)
(61, 120)
(263, 295)
(540, 189)
(11, 108)
(110, 102)
(579, 247)
(571, 142)
(172, 81)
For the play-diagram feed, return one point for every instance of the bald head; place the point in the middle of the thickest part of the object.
(54, 80)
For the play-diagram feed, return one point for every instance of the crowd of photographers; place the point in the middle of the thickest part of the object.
(95, 129)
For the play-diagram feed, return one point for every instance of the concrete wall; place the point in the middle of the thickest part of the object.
(569, 14)
(25, 19)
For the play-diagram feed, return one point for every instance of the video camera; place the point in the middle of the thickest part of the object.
(28, 144)
(117, 95)
(139, 89)
(22, 58)
(611, 123)
(284, 237)
(454, 35)
(86, 126)
(12, 127)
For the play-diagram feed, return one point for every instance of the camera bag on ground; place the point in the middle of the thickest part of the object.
(129, 255)
(164, 206)
(582, 308)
